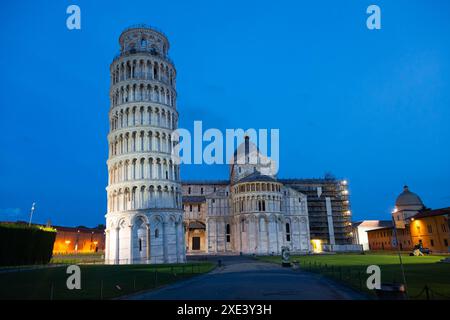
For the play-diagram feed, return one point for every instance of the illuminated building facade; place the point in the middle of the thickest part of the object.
(430, 228)
(79, 240)
(416, 225)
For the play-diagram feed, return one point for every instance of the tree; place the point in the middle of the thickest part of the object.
(100, 226)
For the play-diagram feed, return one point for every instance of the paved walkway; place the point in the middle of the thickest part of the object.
(244, 278)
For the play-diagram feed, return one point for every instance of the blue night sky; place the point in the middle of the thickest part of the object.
(369, 106)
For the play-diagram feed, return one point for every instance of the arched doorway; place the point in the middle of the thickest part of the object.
(141, 243)
(196, 237)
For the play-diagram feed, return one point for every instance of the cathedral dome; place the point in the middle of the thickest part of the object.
(408, 198)
(257, 177)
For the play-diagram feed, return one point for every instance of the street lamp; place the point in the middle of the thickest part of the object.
(31, 212)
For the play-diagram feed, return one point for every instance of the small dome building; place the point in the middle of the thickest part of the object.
(408, 199)
(407, 204)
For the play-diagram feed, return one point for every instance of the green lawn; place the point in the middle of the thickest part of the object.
(351, 269)
(97, 281)
(79, 258)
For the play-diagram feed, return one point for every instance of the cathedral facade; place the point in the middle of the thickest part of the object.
(257, 213)
(252, 213)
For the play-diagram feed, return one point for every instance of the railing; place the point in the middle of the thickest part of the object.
(141, 76)
(429, 294)
(144, 26)
(356, 276)
(134, 51)
(118, 281)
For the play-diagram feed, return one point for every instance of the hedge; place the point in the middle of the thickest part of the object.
(24, 245)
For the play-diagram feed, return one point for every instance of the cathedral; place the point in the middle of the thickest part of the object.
(254, 212)
(154, 217)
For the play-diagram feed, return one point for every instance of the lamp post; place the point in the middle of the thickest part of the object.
(31, 212)
(397, 245)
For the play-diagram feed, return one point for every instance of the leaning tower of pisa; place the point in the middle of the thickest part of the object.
(144, 220)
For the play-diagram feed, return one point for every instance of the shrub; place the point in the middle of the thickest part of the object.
(24, 245)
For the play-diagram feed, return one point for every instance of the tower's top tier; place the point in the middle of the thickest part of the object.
(143, 38)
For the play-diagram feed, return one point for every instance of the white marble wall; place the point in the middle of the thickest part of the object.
(144, 222)
(145, 238)
(254, 229)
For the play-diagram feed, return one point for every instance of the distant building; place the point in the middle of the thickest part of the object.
(430, 228)
(407, 204)
(78, 240)
(382, 239)
(415, 225)
(361, 228)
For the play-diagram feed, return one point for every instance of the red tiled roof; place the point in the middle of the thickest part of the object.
(373, 223)
(75, 229)
(380, 229)
(432, 213)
